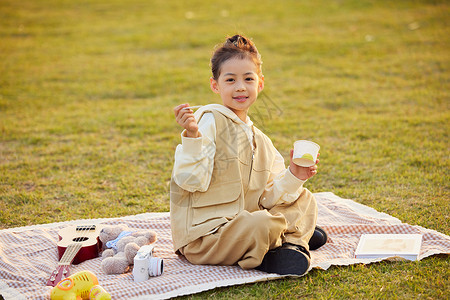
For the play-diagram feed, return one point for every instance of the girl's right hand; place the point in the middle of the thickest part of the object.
(186, 119)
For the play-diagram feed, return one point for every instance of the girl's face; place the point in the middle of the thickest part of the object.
(238, 85)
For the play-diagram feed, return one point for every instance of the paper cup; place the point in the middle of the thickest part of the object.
(305, 153)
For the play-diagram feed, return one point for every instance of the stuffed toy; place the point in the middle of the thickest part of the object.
(122, 244)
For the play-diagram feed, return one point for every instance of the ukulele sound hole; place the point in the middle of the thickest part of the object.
(80, 239)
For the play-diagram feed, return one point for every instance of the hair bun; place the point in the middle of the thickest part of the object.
(239, 41)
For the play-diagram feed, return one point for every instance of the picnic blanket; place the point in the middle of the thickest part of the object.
(28, 255)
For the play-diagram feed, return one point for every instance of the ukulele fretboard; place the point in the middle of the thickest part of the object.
(70, 254)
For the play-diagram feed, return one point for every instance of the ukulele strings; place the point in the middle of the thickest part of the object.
(70, 253)
(73, 248)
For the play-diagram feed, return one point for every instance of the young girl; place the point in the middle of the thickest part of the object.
(232, 198)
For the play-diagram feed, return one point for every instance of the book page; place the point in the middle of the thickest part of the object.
(394, 245)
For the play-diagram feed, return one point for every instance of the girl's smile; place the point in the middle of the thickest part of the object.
(238, 85)
(240, 98)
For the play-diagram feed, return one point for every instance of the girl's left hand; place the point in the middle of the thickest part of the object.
(303, 173)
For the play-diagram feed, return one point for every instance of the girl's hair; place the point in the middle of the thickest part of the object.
(237, 46)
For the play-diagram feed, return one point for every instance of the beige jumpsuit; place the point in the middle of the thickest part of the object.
(227, 224)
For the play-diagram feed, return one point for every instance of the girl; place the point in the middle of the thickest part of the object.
(232, 199)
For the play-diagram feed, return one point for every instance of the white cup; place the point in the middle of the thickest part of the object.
(305, 153)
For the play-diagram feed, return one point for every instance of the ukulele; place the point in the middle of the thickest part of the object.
(76, 244)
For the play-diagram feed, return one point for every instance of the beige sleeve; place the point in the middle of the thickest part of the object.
(282, 187)
(194, 157)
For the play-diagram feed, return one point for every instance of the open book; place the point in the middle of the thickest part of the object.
(389, 245)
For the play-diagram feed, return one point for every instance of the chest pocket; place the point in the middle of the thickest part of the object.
(221, 201)
(261, 166)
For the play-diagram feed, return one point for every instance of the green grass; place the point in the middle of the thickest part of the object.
(87, 129)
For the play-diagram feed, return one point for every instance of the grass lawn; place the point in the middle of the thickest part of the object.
(87, 130)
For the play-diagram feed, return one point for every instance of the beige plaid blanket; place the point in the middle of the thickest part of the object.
(28, 255)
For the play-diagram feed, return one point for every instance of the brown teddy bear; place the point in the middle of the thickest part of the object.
(122, 245)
